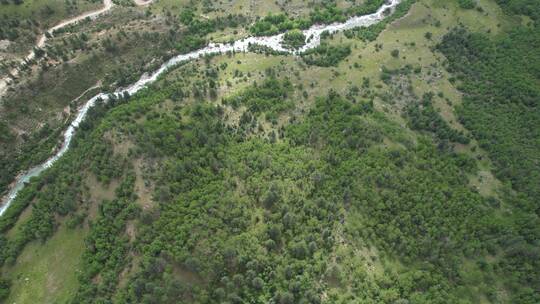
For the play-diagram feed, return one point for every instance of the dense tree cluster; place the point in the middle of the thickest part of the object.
(500, 80)
(294, 39)
(23, 28)
(328, 13)
(522, 7)
(9, 28)
(5, 133)
(423, 116)
(16, 2)
(271, 97)
(326, 55)
(273, 24)
(39, 148)
(227, 249)
(502, 115)
(467, 4)
(198, 28)
(4, 287)
(263, 49)
(107, 246)
(56, 194)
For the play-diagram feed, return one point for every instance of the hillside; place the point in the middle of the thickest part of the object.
(395, 163)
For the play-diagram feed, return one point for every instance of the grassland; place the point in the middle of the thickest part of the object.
(47, 272)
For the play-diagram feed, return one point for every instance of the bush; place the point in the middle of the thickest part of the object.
(294, 39)
(326, 55)
(4, 289)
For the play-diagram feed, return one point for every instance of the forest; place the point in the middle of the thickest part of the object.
(501, 108)
(253, 221)
(249, 187)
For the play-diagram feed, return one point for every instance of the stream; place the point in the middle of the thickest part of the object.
(273, 42)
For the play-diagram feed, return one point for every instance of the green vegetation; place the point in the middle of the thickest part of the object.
(424, 117)
(501, 115)
(45, 273)
(294, 39)
(21, 21)
(4, 289)
(263, 49)
(326, 55)
(500, 79)
(371, 32)
(107, 246)
(467, 4)
(84, 60)
(198, 28)
(57, 193)
(273, 24)
(241, 218)
(521, 7)
(270, 98)
(259, 242)
(243, 178)
(5, 133)
(36, 149)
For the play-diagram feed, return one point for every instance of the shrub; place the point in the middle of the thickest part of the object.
(294, 39)
(466, 4)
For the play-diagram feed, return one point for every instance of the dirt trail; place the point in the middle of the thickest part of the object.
(107, 5)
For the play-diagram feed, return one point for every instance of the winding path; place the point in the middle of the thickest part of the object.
(273, 42)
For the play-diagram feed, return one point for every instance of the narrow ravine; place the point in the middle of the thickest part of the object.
(273, 42)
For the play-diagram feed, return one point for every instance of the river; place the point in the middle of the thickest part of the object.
(242, 45)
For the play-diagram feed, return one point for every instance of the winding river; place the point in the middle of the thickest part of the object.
(272, 42)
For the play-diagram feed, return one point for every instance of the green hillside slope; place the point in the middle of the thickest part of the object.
(393, 164)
